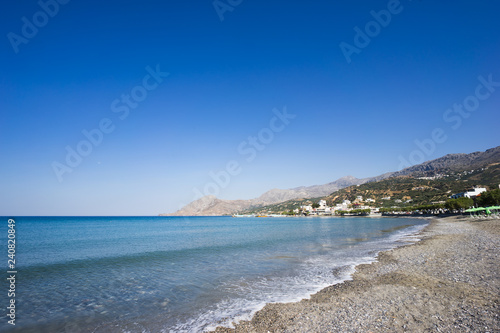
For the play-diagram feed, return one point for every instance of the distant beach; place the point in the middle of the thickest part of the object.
(447, 282)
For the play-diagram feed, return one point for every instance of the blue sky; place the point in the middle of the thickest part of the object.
(68, 68)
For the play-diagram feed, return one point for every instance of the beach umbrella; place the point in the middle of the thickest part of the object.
(470, 210)
(495, 208)
(480, 209)
(475, 209)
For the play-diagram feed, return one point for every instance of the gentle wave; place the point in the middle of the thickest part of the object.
(312, 276)
(184, 275)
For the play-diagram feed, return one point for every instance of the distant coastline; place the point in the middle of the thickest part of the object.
(423, 188)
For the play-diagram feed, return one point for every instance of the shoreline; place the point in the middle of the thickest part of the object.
(447, 281)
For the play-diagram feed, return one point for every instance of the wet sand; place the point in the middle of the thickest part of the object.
(447, 282)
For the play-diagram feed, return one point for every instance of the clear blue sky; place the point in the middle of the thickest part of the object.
(225, 79)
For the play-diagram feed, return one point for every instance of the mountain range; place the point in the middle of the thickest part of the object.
(212, 206)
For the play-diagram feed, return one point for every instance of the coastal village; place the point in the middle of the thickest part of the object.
(321, 208)
(362, 206)
(371, 207)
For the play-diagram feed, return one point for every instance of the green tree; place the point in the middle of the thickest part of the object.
(489, 198)
(459, 204)
(315, 205)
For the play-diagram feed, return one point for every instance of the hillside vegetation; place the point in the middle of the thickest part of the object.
(402, 191)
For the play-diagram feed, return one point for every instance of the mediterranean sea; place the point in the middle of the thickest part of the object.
(180, 274)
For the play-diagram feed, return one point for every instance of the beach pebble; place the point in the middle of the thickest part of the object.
(447, 282)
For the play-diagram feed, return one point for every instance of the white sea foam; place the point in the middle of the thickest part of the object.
(164, 273)
(312, 275)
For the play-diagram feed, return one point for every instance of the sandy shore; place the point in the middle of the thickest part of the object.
(447, 282)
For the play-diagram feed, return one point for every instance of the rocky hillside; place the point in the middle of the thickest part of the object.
(452, 163)
(211, 206)
(322, 190)
(406, 190)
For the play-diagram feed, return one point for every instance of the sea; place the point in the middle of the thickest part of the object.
(179, 274)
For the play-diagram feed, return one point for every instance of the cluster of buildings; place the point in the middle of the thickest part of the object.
(321, 208)
(345, 206)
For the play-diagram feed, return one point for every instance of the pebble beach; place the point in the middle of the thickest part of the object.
(449, 281)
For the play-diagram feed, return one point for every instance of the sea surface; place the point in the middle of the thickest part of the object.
(178, 274)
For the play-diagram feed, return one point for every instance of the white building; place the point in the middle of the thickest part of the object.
(307, 208)
(342, 206)
(469, 193)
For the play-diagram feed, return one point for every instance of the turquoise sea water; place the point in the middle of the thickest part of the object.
(176, 274)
